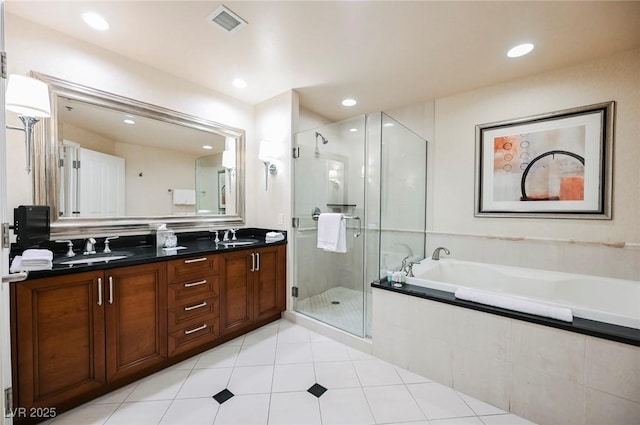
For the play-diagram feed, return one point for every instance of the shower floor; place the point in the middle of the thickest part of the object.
(339, 307)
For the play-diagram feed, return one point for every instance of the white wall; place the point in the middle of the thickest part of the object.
(31, 47)
(606, 247)
(273, 123)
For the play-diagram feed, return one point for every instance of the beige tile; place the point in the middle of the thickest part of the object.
(433, 359)
(481, 376)
(602, 408)
(431, 319)
(391, 343)
(391, 308)
(482, 332)
(613, 367)
(546, 399)
(553, 351)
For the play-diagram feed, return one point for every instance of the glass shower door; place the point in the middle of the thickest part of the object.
(329, 177)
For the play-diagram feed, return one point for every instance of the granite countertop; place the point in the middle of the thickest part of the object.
(142, 250)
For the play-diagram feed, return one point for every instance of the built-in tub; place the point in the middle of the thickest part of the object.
(601, 299)
(547, 370)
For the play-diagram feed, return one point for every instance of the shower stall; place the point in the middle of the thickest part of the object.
(371, 169)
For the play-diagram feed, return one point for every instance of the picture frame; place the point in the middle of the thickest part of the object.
(553, 165)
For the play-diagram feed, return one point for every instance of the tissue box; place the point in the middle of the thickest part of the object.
(161, 238)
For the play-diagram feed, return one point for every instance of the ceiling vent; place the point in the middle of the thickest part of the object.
(227, 20)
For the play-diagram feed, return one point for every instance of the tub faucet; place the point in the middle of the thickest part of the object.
(436, 252)
(407, 266)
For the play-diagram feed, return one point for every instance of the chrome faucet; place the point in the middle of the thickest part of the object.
(69, 243)
(107, 249)
(89, 246)
(233, 232)
(407, 266)
(225, 238)
(436, 252)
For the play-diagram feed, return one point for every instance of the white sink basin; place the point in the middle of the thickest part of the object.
(92, 259)
(240, 242)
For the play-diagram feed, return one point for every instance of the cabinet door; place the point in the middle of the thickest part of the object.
(136, 318)
(236, 291)
(269, 281)
(60, 338)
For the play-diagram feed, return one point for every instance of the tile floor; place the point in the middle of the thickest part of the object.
(270, 376)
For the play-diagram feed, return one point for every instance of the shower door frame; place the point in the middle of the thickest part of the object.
(300, 224)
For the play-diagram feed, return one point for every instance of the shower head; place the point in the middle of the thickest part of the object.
(324, 139)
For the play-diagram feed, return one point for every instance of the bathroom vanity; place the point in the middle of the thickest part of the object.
(82, 330)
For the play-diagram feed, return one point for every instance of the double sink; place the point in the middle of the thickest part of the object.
(119, 255)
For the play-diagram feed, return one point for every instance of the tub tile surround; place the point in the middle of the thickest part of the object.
(618, 260)
(546, 375)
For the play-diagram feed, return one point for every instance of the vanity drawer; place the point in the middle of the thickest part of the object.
(183, 316)
(192, 268)
(192, 291)
(193, 336)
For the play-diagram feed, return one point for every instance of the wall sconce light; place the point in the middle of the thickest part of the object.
(29, 98)
(229, 164)
(267, 155)
(229, 161)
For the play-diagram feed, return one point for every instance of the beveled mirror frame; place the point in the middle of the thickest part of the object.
(46, 173)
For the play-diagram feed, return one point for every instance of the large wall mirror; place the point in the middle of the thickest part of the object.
(105, 163)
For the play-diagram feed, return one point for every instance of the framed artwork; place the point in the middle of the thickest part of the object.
(222, 198)
(555, 165)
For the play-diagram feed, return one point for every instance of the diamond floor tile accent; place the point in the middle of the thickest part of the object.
(271, 376)
(317, 390)
(223, 396)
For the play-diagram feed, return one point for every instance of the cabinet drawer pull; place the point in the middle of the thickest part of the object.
(253, 262)
(200, 282)
(199, 328)
(258, 266)
(194, 307)
(110, 289)
(99, 291)
(195, 260)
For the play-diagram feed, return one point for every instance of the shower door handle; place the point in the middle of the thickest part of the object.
(357, 234)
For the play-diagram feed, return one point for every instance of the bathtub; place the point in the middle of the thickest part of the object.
(608, 300)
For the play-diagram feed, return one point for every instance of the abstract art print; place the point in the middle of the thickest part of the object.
(551, 165)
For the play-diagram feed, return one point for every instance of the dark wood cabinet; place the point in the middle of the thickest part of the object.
(269, 282)
(80, 335)
(236, 292)
(194, 306)
(136, 319)
(60, 338)
(253, 287)
(78, 332)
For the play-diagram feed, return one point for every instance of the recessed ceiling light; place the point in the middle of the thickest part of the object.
(95, 21)
(129, 121)
(388, 124)
(353, 130)
(239, 83)
(208, 147)
(349, 102)
(520, 50)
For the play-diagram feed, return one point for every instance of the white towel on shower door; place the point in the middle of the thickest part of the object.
(332, 231)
